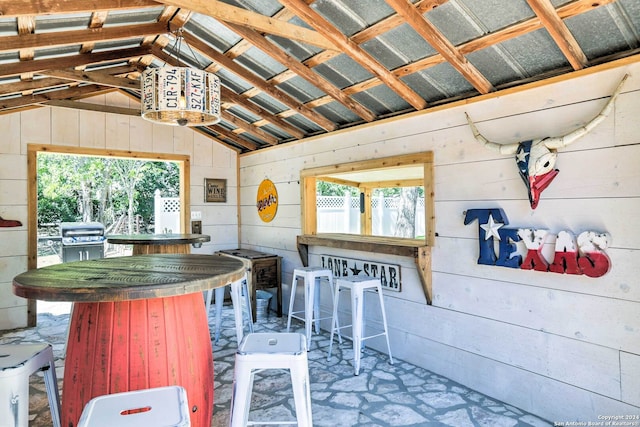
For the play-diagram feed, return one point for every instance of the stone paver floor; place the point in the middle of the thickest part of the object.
(382, 395)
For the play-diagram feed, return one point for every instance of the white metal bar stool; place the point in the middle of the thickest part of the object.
(358, 286)
(312, 277)
(157, 407)
(17, 363)
(239, 289)
(262, 351)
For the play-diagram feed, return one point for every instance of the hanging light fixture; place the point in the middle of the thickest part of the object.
(180, 96)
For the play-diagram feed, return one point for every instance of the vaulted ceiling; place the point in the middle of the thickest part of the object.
(291, 69)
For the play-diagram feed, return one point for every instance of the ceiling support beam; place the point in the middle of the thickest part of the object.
(559, 33)
(302, 70)
(439, 42)
(227, 13)
(324, 27)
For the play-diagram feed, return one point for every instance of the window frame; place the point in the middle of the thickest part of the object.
(332, 173)
(419, 249)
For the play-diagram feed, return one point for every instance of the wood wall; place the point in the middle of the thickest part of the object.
(66, 127)
(562, 347)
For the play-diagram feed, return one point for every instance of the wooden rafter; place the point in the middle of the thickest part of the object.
(74, 92)
(32, 81)
(15, 8)
(254, 80)
(301, 70)
(72, 61)
(317, 21)
(439, 42)
(567, 11)
(266, 24)
(63, 38)
(559, 33)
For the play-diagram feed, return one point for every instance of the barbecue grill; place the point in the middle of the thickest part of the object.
(82, 241)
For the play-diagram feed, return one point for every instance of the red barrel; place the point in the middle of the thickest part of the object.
(131, 345)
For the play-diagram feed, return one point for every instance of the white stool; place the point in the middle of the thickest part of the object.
(238, 290)
(358, 285)
(271, 351)
(17, 363)
(158, 407)
(311, 276)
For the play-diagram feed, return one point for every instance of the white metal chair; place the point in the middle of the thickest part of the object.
(261, 351)
(358, 286)
(313, 278)
(239, 290)
(157, 407)
(17, 363)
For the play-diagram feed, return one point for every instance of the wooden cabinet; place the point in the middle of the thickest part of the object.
(263, 271)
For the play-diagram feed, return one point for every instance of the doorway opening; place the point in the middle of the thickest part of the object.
(116, 191)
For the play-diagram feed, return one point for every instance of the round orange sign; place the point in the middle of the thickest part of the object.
(267, 200)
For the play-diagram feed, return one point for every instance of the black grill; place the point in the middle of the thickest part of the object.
(82, 241)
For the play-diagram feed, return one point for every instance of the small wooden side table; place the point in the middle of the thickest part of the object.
(264, 271)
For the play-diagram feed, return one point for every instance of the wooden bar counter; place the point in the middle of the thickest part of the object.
(138, 322)
(159, 243)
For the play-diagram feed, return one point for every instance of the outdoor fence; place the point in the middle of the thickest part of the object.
(341, 214)
(166, 214)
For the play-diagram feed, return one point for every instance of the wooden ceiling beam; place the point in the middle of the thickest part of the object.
(65, 38)
(39, 65)
(254, 80)
(251, 146)
(31, 85)
(232, 97)
(87, 106)
(567, 11)
(431, 34)
(302, 71)
(16, 8)
(97, 77)
(74, 92)
(243, 127)
(227, 13)
(559, 33)
(324, 27)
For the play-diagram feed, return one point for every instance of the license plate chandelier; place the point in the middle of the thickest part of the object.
(180, 96)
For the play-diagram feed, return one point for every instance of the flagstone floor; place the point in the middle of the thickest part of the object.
(382, 395)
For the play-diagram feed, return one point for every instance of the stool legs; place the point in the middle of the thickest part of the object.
(312, 282)
(51, 384)
(357, 319)
(358, 286)
(384, 323)
(266, 351)
(239, 289)
(17, 363)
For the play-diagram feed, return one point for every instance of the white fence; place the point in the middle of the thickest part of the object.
(166, 214)
(341, 214)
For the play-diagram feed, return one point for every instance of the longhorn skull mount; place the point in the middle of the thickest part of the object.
(536, 158)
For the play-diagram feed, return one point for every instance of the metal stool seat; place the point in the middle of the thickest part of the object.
(157, 407)
(17, 363)
(312, 277)
(239, 289)
(261, 351)
(358, 285)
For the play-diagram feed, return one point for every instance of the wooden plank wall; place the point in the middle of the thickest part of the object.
(563, 347)
(74, 128)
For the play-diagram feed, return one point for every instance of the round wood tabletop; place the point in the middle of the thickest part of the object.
(128, 278)
(157, 239)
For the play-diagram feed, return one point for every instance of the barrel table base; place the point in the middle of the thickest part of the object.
(140, 249)
(131, 345)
